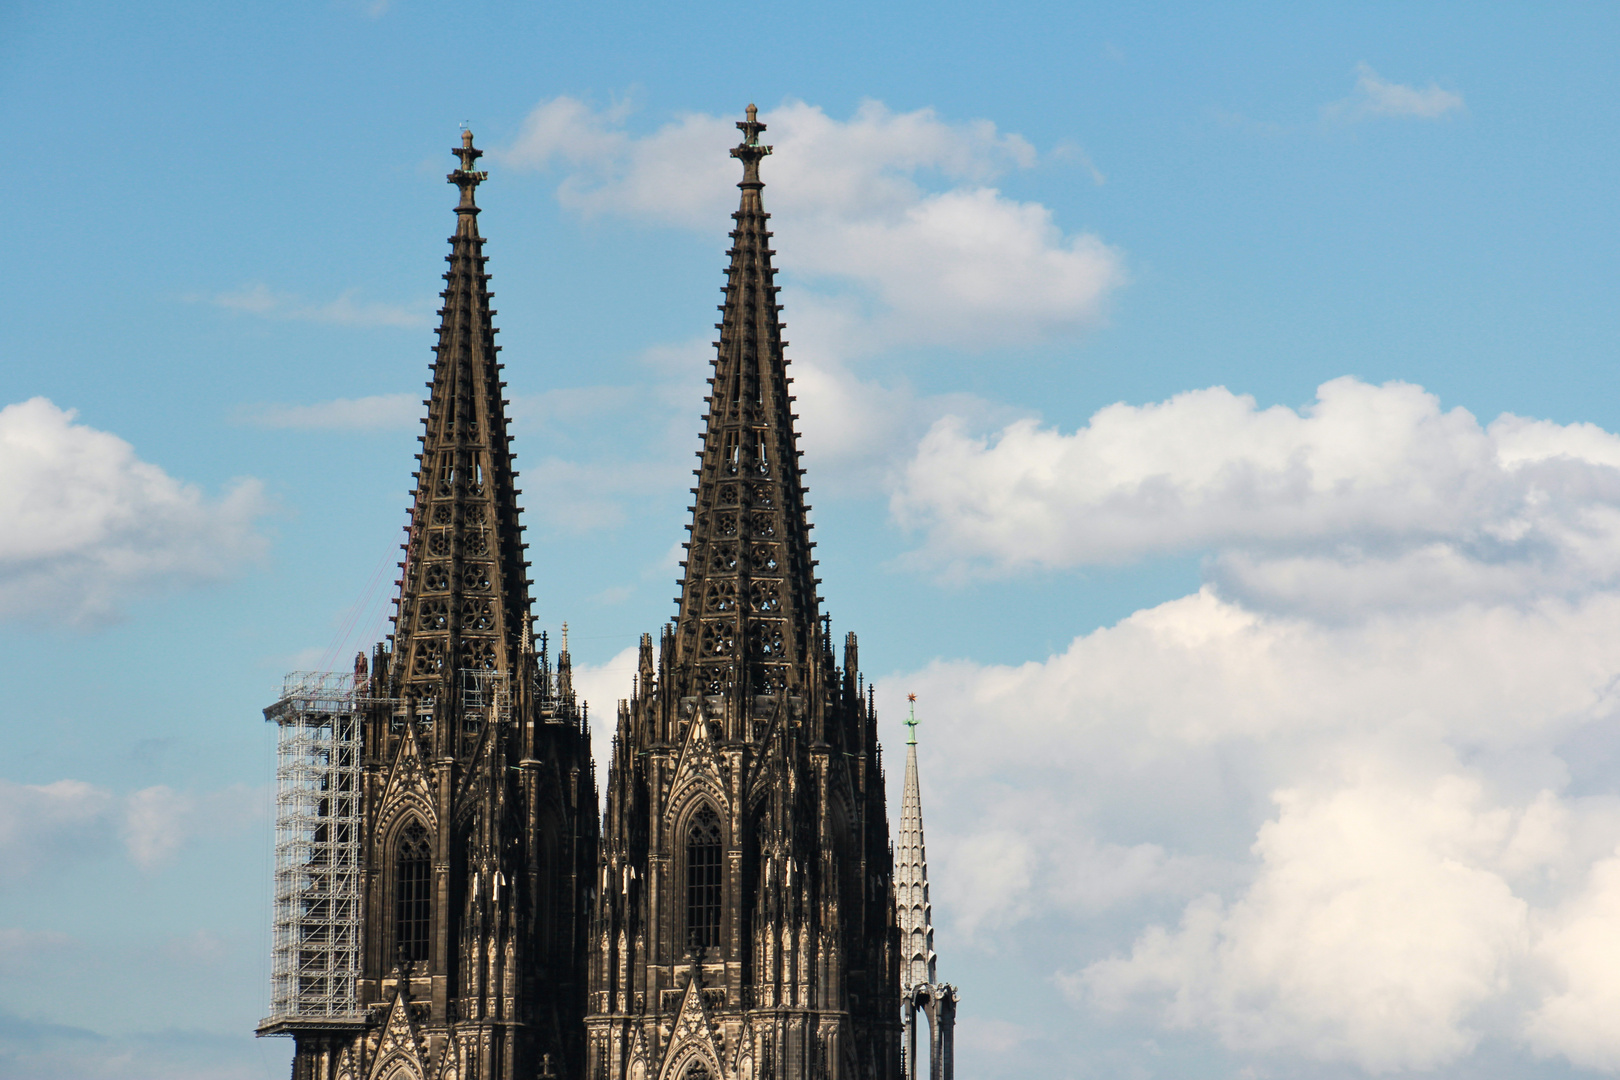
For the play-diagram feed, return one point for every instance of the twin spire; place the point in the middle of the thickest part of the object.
(749, 618)
(464, 596)
(749, 613)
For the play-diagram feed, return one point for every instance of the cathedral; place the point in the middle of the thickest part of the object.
(455, 900)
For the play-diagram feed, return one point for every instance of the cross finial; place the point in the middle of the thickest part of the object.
(751, 127)
(911, 721)
(465, 177)
(466, 151)
(750, 151)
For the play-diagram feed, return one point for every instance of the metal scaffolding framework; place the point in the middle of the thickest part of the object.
(316, 934)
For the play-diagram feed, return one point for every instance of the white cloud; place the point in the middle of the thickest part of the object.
(1376, 96)
(1376, 927)
(85, 524)
(1353, 802)
(963, 266)
(346, 310)
(1371, 498)
(603, 686)
(1581, 948)
(1379, 838)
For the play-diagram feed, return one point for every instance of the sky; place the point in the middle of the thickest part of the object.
(1211, 414)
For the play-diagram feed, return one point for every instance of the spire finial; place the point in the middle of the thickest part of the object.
(465, 177)
(750, 151)
(911, 721)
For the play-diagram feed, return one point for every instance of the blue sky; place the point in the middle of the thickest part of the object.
(1208, 411)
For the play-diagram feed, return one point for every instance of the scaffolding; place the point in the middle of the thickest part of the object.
(315, 944)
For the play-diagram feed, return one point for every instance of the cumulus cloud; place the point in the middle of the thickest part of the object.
(1578, 946)
(85, 524)
(1377, 841)
(1375, 96)
(346, 310)
(964, 266)
(603, 686)
(1372, 497)
(1377, 926)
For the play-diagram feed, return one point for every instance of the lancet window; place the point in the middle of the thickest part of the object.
(703, 880)
(413, 894)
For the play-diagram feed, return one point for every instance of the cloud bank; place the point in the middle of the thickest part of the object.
(1381, 842)
(1352, 804)
(1370, 498)
(85, 525)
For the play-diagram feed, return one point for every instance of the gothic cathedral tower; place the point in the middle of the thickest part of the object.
(459, 952)
(745, 923)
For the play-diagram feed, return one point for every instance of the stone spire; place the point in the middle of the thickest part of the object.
(911, 876)
(748, 617)
(464, 596)
(745, 885)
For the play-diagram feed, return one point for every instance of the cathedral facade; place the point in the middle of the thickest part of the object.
(450, 905)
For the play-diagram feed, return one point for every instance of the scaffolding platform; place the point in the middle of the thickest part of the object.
(316, 933)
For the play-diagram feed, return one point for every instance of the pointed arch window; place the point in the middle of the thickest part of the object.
(413, 894)
(703, 881)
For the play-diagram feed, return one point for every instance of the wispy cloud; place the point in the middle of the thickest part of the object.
(346, 310)
(1072, 151)
(377, 412)
(1375, 96)
(46, 826)
(396, 412)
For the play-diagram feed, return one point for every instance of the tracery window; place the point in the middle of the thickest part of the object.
(703, 889)
(413, 893)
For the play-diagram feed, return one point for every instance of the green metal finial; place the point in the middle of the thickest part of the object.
(911, 721)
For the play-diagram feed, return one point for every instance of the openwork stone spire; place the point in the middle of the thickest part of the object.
(748, 608)
(911, 876)
(464, 598)
(745, 923)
